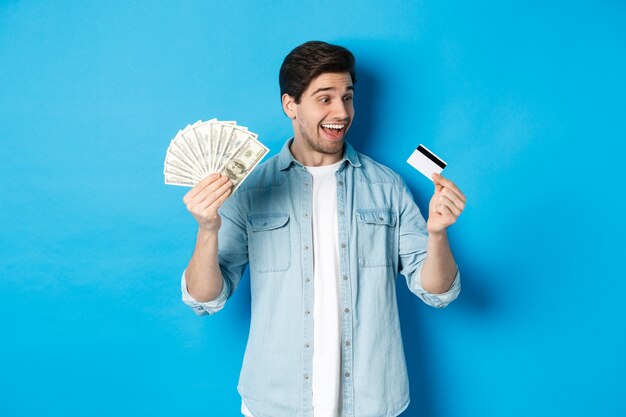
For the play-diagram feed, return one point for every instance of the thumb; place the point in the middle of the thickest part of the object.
(438, 186)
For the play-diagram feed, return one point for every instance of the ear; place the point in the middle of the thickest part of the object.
(289, 106)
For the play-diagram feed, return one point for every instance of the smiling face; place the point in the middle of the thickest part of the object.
(321, 119)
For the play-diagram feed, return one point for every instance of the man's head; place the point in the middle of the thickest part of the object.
(316, 83)
(310, 60)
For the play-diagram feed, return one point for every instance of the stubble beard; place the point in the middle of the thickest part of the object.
(331, 148)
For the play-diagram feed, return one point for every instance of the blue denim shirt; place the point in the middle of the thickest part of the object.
(267, 224)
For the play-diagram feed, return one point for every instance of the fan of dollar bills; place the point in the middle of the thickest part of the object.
(214, 146)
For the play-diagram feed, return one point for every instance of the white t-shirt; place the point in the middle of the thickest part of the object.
(326, 376)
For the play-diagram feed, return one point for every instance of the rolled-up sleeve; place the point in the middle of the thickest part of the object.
(232, 258)
(206, 307)
(412, 249)
(438, 300)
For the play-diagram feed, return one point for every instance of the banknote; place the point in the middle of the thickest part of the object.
(210, 146)
(244, 160)
(238, 136)
(203, 133)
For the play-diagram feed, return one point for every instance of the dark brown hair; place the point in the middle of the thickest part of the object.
(310, 60)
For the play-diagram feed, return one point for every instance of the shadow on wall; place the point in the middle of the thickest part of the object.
(422, 357)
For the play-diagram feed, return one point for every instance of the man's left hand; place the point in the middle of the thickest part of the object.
(445, 206)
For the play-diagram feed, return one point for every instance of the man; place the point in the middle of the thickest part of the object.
(325, 231)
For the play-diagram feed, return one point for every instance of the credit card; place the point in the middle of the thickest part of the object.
(426, 162)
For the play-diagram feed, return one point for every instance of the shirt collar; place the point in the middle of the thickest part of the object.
(285, 158)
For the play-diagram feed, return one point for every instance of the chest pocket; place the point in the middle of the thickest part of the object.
(269, 242)
(376, 233)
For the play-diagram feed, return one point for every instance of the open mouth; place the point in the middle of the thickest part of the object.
(334, 130)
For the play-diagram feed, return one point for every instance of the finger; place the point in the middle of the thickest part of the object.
(214, 196)
(453, 197)
(206, 181)
(438, 186)
(456, 192)
(218, 203)
(201, 185)
(208, 189)
(214, 191)
(446, 183)
(444, 200)
(452, 186)
(445, 211)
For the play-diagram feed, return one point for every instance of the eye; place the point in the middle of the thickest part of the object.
(347, 98)
(324, 99)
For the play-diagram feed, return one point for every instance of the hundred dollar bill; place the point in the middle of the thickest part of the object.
(225, 133)
(238, 136)
(244, 160)
(174, 170)
(174, 156)
(180, 150)
(172, 179)
(213, 146)
(191, 140)
(215, 128)
(203, 133)
(221, 134)
(225, 142)
(175, 166)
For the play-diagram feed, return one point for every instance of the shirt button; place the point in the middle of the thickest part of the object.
(340, 183)
(347, 374)
(346, 310)
(306, 184)
(345, 277)
(341, 212)
(381, 219)
(306, 215)
(347, 343)
(306, 311)
(343, 245)
(306, 247)
(306, 376)
(307, 279)
(306, 345)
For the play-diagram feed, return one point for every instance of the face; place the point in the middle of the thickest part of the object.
(324, 114)
(235, 167)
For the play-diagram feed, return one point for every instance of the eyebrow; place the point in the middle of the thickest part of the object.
(350, 88)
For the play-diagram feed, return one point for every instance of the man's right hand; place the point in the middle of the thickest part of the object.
(205, 198)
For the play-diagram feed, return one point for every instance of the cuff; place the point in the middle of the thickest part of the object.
(443, 299)
(207, 307)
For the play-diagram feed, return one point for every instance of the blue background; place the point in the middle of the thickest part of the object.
(525, 100)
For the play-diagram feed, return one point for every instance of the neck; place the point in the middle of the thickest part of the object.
(312, 158)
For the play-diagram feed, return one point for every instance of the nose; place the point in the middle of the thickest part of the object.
(342, 110)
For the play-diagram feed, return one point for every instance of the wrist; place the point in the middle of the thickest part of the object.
(438, 235)
(205, 233)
